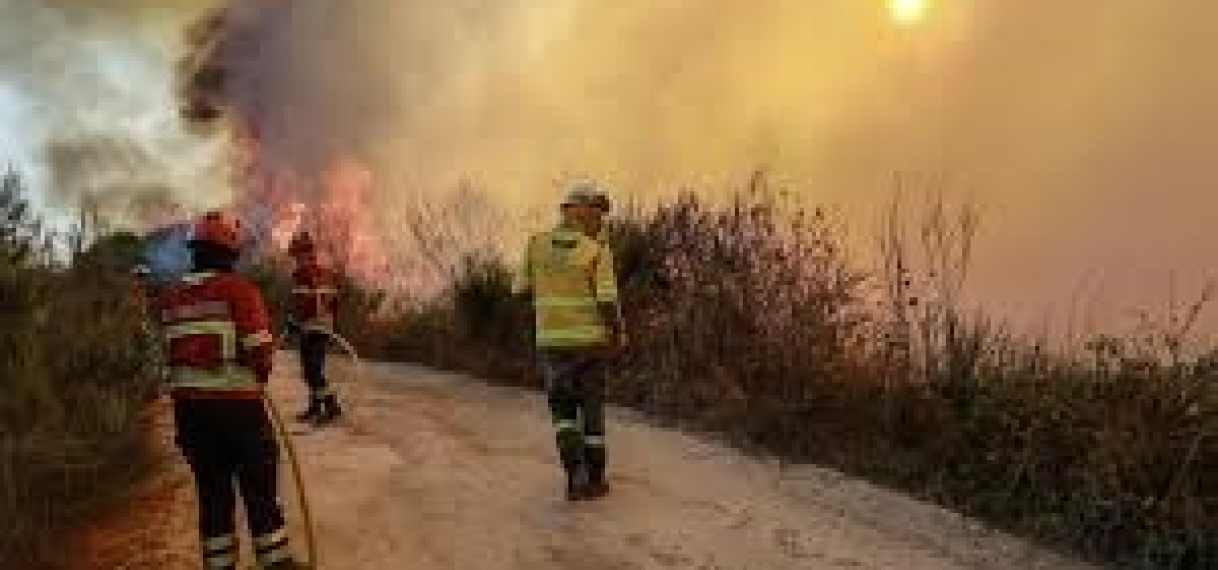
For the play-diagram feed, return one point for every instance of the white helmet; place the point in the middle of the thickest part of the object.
(586, 192)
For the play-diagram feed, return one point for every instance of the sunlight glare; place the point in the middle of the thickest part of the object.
(907, 12)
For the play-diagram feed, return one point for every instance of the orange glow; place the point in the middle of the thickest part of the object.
(346, 223)
(334, 205)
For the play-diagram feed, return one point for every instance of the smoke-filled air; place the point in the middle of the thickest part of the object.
(86, 106)
(604, 284)
(1082, 132)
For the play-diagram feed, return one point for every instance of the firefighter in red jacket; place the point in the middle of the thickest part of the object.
(220, 351)
(314, 310)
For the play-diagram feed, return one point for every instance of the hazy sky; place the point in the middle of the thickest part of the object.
(1084, 129)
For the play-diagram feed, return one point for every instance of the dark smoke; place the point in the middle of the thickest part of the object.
(253, 66)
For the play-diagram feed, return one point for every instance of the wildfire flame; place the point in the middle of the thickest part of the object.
(346, 224)
(334, 206)
(331, 199)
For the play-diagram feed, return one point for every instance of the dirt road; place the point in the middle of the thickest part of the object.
(434, 471)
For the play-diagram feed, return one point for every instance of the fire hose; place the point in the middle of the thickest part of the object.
(301, 497)
(285, 440)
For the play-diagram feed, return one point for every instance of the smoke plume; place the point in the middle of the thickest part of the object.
(1083, 131)
(96, 119)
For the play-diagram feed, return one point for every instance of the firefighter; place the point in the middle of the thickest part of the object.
(314, 310)
(568, 272)
(220, 351)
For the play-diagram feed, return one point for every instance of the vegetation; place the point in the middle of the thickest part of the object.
(70, 394)
(754, 323)
(748, 320)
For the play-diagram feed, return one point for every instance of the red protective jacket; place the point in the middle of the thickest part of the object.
(218, 333)
(314, 296)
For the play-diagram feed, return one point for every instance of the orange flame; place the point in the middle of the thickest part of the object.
(348, 226)
(335, 206)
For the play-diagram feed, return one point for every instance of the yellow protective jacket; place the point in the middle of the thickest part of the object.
(568, 274)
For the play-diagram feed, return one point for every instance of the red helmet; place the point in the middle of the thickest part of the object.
(302, 244)
(218, 228)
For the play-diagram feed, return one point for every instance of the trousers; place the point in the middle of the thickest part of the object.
(575, 390)
(313, 361)
(230, 447)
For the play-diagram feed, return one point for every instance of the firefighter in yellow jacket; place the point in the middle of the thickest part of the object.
(569, 274)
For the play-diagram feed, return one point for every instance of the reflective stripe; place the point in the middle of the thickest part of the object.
(271, 538)
(226, 330)
(583, 314)
(558, 301)
(566, 425)
(226, 377)
(606, 292)
(315, 326)
(192, 278)
(201, 310)
(573, 336)
(221, 561)
(266, 559)
(257, 339)
(594, 440)
(315, 291)
(221, 543)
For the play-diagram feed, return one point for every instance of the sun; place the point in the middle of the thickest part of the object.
(908, 12)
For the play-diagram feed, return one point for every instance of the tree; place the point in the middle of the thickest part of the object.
(21, 232)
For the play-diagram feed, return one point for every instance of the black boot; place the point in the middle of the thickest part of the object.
(576, 489)
(577, 483)
(594, 457)
(596, 488)
(329, 411)
(313, 411)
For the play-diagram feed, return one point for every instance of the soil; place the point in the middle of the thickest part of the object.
(439, 471)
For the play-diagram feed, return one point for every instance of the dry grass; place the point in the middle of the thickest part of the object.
(755, 324)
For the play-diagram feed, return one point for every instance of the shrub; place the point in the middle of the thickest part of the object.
(753, 323)
(74, 378)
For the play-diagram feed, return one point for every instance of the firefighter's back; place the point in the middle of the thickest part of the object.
(203, 316)
(217, 400)
(563, 264)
